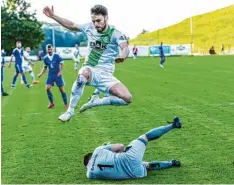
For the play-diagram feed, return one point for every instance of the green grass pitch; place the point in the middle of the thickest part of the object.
(37, 148)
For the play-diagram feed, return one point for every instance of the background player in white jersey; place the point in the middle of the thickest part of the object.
(103, 43)
(26, 65)
(113, 162)
(76, 56)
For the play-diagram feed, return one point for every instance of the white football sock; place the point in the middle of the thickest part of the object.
(32, 76)
(77, 91)
(21, 79)
(110, 100)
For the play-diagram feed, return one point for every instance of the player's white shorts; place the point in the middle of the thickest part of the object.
(101, 79)
(76, 59)
(26, 68)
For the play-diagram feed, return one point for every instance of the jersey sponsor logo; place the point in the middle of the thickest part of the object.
(98, 45)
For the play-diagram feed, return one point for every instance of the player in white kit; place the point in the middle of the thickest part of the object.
(76, 56)
(93, 98)
(26, 65)
(103, 43)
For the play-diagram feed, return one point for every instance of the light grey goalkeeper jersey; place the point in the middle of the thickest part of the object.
(103, 47)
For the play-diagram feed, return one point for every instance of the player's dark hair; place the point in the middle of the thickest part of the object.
(18, 41)
(99, 9)
(48, 46)
(87, 157)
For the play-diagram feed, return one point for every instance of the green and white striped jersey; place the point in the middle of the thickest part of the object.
(103, 47)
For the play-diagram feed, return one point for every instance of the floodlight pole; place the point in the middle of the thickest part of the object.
(53, 37)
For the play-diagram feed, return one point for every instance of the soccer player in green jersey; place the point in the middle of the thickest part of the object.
(104, 42)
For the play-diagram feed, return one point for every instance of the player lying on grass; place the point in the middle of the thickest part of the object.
(104, 42)
(53, 61)
(113, 162)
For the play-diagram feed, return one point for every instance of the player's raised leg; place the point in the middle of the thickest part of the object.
(137, 147)
(151, 135)
(77, 91)
(120, 95)
(160, 131)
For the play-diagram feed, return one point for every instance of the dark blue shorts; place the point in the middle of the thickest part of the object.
(54, 79)
(18, 68)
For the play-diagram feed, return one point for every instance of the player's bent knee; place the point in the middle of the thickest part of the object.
(127, 98)
(48, 88)
(143, 139)
(86, 73)
(61, 89)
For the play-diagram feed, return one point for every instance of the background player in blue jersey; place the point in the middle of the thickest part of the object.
(55, 64)
(113, 162)
(18, 53)
(2, 72)
(162, 56)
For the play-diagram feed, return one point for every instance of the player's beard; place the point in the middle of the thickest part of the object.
(102, 29)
